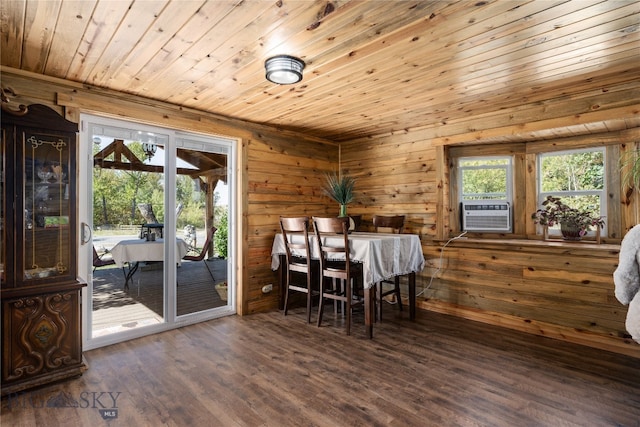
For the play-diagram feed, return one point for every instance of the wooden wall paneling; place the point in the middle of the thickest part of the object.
(487, 149)
(241, 236)
(547, 288)
(606, 138)
(393, 178)
(533, 326)
(535, 284)
(614, 203)
(501, 270)
(629, 195)
(284, 177)
(587, 107)
(520, 215)
(528, 307)
(531, 190)
(447, 195)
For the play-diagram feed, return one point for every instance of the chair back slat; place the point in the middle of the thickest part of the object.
(290, 225)
(395, 223)
(339, 227)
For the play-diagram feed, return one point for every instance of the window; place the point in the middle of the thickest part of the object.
(577, 177)
(485, 193)
(484, 178)
(584, 172)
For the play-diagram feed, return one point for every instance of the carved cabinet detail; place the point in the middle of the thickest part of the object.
(41, 342)
(41, 318)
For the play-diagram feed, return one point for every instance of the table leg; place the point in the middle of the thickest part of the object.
(368, 310)
(128, 275)
(412, 296)
(282, 272)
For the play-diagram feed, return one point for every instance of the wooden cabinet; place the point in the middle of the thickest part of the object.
(41, 318)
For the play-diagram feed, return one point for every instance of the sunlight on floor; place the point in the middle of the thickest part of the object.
(103, 323)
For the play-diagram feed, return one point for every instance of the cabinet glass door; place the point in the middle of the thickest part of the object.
(47, 206)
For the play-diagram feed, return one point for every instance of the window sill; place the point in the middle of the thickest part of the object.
(582, 248)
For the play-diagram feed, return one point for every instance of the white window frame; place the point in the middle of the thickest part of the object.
(508, 196)
(542, 195)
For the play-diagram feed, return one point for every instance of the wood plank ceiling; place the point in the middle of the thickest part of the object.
(372, 67)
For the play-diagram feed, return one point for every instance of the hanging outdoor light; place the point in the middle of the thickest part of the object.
(149, 149)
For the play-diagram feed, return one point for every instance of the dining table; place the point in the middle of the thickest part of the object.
(383, 256)
(132, 252)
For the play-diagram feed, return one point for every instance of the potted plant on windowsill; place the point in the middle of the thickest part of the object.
(574, 223)
(340, 188)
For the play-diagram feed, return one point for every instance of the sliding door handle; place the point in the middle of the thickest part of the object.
(85, 233)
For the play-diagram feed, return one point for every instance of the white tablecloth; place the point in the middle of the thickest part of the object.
(383, 255)
(130, 251)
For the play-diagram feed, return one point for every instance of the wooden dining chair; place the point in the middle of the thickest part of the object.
(297, 263)
(201, 256)
(357, 222)
(393, 224)
(337, 277)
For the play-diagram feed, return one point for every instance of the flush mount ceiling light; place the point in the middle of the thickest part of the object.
(284, 69)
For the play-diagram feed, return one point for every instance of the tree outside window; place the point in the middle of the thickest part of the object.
(485, 178)
(577, 177)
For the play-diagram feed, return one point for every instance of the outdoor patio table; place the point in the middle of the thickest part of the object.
(132, 252)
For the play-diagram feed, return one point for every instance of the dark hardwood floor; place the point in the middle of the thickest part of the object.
(270, 370)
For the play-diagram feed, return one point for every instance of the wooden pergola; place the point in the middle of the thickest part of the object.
(209, 169)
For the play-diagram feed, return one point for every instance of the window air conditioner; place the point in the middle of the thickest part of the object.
(486, 215)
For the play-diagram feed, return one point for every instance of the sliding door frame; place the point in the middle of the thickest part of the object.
(177, 139)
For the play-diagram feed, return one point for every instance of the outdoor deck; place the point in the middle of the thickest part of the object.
(115, 308)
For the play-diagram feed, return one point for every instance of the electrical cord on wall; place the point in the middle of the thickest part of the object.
(440, 264)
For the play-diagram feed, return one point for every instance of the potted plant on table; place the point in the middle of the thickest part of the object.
(574, 223)
(340, 188)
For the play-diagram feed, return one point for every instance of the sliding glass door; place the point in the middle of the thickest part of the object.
(202, 194)
(155, 220)
(128, 212)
